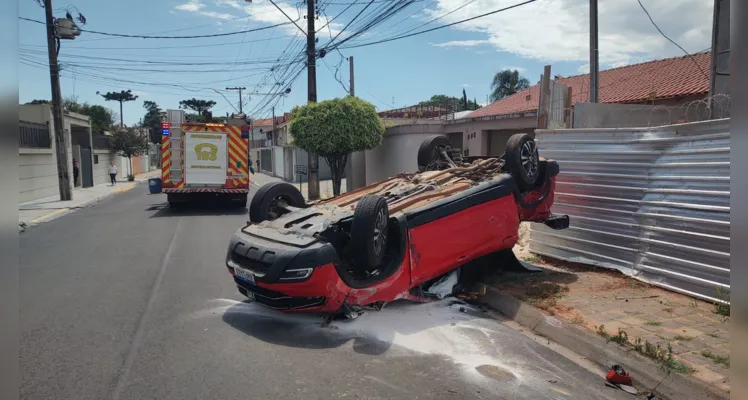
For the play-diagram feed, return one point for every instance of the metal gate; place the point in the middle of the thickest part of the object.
(266, 160)
(86, 168)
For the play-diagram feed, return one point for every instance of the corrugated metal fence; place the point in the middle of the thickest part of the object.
(653, 203)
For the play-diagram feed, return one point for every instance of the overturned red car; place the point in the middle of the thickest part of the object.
(396, 239)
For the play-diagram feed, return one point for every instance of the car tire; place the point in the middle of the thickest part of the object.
(369, 232)
(428, 150)
(259, 207)
(522, 160)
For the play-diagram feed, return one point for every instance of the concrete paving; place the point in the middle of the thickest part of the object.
(129, 300)
(41, 210)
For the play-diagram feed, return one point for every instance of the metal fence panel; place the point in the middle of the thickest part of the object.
(653, 203)
(34, 135)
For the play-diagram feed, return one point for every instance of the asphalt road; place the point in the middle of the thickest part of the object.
(129, 300)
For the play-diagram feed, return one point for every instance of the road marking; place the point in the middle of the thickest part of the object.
(124, 189)
(43, 217)
(140, 330)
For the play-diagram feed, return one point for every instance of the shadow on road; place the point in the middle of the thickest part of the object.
(373, 333)
(163, 210)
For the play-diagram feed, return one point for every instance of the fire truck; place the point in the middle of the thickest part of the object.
(204, 160)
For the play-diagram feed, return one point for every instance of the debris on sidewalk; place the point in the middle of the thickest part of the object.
(618, 377)
(444, 286)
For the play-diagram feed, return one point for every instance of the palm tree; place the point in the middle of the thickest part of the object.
(506, 83)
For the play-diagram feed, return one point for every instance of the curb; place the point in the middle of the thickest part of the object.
(64, 211)
(645, 372)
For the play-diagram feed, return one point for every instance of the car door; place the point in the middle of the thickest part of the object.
(442, 240)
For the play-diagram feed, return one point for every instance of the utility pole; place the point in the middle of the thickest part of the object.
(350, 65)
(594, 67)
(241, 111)
(313, 184)
(63, 177)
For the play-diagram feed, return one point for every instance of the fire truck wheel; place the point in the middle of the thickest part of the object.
(270, 200)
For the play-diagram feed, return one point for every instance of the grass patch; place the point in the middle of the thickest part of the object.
(663, 356)
(722, 307)
(682, 338)
(717, 359)
(531, 259)
(653, 323)
(578, 320)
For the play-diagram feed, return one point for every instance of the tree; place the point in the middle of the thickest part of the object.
(335, 128)
(506, 83)
(102, 118)
(121, 97)
(198, 106)
(152, 119)
(37, 101)
(128, 142)
(450, 103)
(475, 104)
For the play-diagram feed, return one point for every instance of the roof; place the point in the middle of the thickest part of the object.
(652, 80)
(262, 122)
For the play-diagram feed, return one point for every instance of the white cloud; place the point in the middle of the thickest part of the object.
(461, 43)
(466, 85)
(192, 6)
(558, 30)
(217, 15)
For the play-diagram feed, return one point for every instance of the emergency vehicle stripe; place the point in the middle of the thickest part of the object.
(165, 158)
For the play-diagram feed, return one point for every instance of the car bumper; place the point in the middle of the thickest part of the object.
(324, 291)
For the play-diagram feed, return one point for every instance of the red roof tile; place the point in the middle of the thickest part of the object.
(659, 79)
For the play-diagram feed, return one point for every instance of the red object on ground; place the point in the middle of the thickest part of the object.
(618, 376)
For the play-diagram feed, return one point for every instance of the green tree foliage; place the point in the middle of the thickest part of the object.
(152, 119)
(121, 97)
(506, 83)
(102, 118)
(37, 101)
(334, 128)
(196, 105)
(451, 103)
(128, 142)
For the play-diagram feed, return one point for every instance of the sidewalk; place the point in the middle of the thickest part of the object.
(42, 210)
(638, 317)
(325, 187)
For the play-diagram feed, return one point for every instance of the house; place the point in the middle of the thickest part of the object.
(37, 172)
(673, 82)
(668, 82)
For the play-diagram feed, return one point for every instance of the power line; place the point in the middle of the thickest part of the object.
(440, 27)
(671, 40)
(169, 37)
(335, 75)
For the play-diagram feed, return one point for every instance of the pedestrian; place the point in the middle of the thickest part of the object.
(113, 173)
(76, 170)
(258, 164)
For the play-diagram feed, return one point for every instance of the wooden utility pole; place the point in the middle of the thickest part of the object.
(313, 162)
(545, 98)
(594, 66)
(240, 97)
(63, 178)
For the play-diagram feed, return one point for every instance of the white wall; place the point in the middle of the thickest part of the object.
(397, 153)
(101, 170)
(278, 161)
(37, 168)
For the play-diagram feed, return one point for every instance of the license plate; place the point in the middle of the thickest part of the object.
(244, 275)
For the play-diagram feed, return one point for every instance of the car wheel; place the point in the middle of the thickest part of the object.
(369, 232)
(268, 202)
(522, 160)
(429, 150)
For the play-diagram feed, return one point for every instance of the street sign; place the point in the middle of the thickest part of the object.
(301, 169)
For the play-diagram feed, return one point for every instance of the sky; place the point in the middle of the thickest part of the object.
(391, 74)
